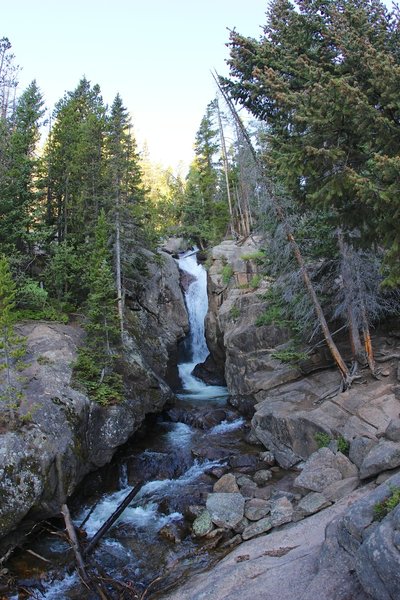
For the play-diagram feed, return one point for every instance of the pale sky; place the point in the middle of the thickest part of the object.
(156, 53)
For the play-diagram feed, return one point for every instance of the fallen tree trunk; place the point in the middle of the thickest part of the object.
(111, 520)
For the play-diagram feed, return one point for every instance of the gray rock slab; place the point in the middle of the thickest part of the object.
(359, 448)
(392, 431)
(317, 479)
(386, 455)
(226, 509)
(312, 503)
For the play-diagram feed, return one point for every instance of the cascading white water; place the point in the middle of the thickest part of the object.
(197, 306)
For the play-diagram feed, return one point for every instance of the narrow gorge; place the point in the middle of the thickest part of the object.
(220, 467)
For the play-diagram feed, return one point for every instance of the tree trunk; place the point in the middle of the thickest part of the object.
(118, 263)
(351, 294)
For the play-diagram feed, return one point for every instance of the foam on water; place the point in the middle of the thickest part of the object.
(226, 427)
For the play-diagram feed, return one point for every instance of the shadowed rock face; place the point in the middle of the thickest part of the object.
(65, 433)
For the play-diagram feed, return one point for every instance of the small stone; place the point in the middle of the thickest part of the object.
(359, 448)
(263, 492)
(281, 512)
(257, 528)
(386, 455)
(268, 458)
(345, 466)
(256, 509)
(226, 509)
(393, 430)
(312, 503)
(262, 477)
(202, 525)
(227, 483)
(241, 526)
(245, 463)
(245, 480)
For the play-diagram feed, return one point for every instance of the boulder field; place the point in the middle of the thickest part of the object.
(321, 535)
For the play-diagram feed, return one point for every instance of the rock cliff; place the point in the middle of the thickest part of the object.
(65, 435)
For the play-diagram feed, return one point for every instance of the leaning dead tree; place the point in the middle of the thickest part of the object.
(347, 375)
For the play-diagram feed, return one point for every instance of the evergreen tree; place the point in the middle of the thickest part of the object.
(17, 194)
(11, 346)
(96, 362)
(125, 185)
(205, 214)
(76, 165)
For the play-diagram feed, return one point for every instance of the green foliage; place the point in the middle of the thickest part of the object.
(324, 439)
(12, 346)
(258, 256)
(89, 373)
(226, 274)
(234, 312)
(289, 355)
(274, 314)
(31, 296)
(63, 274)
(255, 281)
(95, 367)
(48, 313)
(383, 508)
(324, 80)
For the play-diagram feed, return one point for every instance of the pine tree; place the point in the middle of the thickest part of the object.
(125, 185)
(17, 194)
(96, 362)
(205, 213)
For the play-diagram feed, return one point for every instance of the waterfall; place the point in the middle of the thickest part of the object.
(197, 306)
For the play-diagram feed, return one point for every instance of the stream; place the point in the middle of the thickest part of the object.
(179, 455)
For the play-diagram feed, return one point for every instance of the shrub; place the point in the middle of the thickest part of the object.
(31, 296)
(258, 256)
(235, 312)
(383, 508)
(226, 273)
(323, 440)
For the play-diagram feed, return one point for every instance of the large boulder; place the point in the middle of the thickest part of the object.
(374, 546)
(226, 509)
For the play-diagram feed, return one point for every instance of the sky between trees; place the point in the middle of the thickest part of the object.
(156, 54)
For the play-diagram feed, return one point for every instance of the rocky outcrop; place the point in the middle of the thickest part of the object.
(63, 435)
(241, 349)
(156, 313)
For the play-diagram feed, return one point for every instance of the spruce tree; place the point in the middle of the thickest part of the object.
(11, 345)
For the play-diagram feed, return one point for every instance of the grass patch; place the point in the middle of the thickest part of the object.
(226, 274)
(383, 508)
(289, 355)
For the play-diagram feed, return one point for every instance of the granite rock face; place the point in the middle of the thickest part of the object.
(66, 435)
